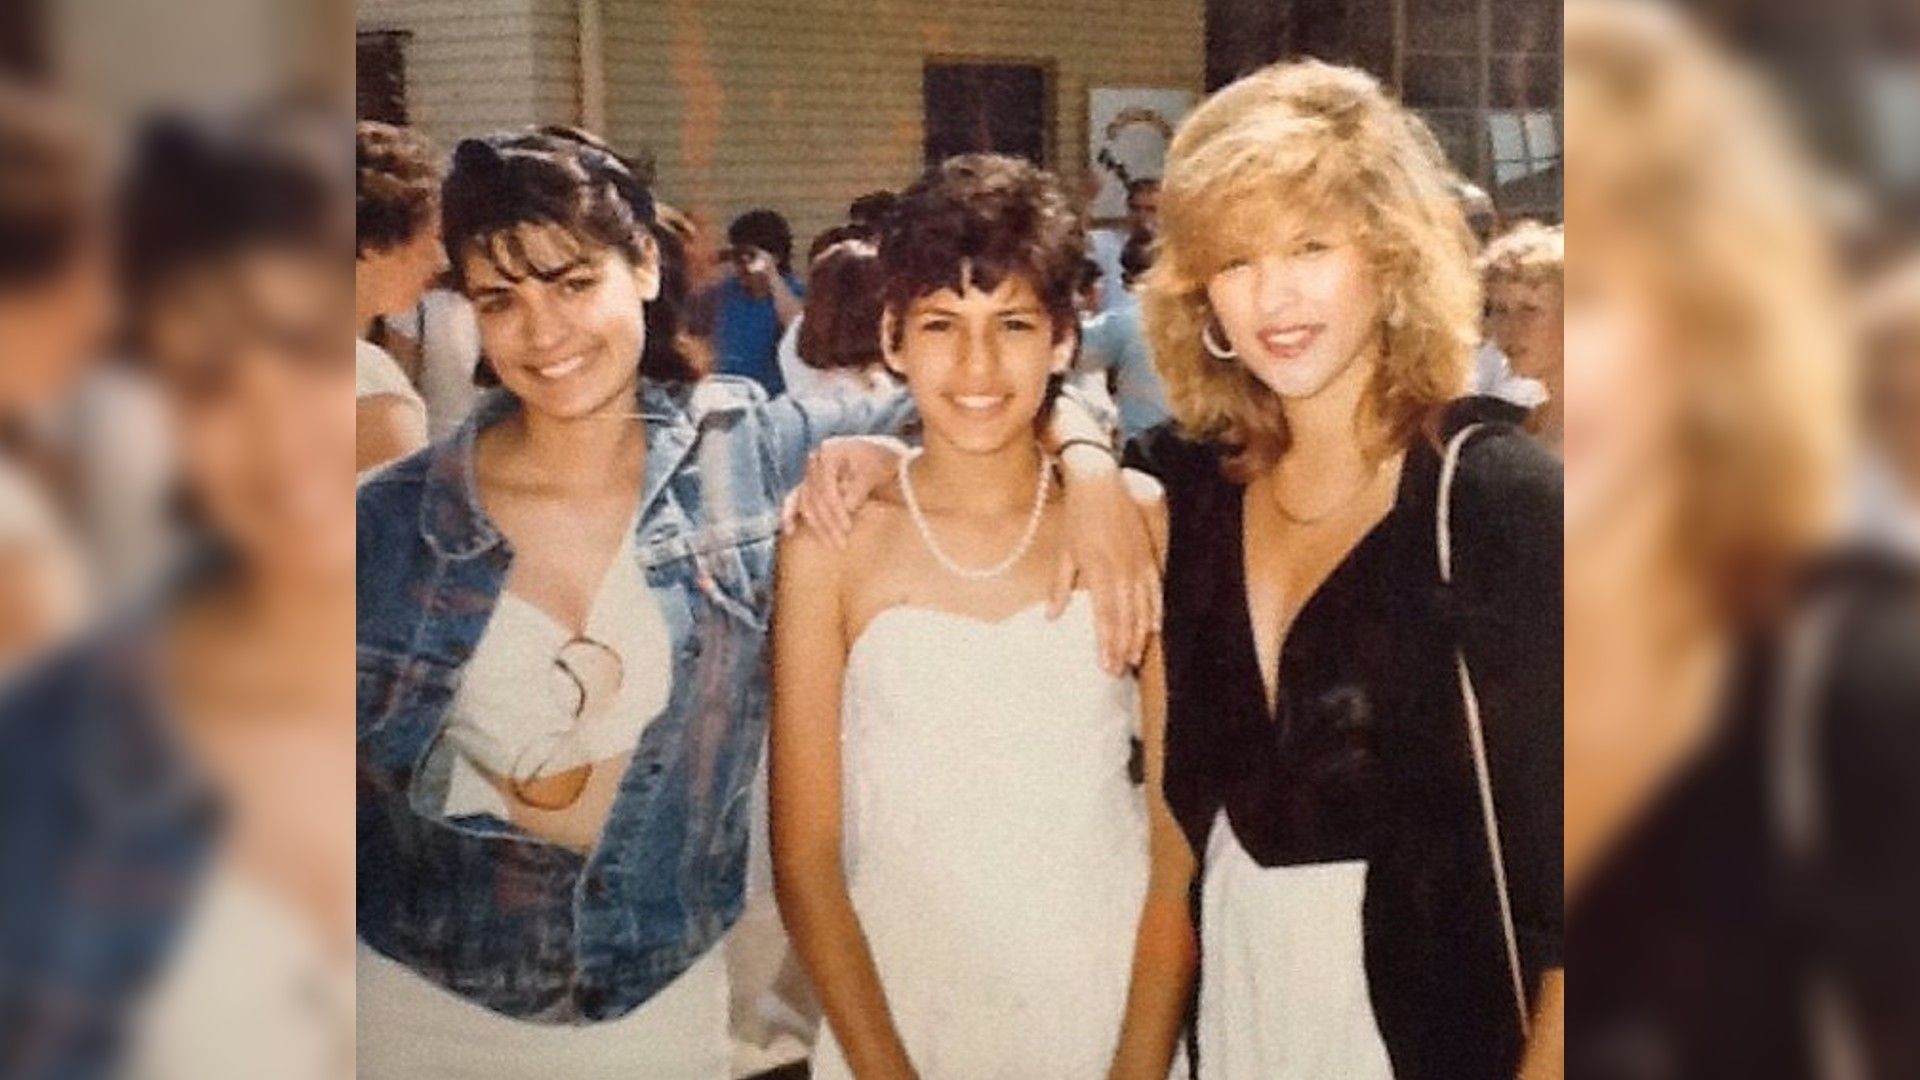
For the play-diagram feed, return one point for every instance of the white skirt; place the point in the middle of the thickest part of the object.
(410, 1029)
(1283, 979)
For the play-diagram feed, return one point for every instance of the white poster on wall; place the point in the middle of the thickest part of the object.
(1128, 131)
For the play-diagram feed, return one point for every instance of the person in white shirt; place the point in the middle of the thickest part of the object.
(443, 333)
(1522, 272)
(56, 306)
(397, 254)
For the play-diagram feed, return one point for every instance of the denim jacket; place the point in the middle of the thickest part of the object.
(106, 827)
(504, 919)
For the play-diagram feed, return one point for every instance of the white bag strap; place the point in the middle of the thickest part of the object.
(1476, 735)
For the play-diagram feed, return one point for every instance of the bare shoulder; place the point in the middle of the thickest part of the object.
(808, 558)
(879, 526)
(806, 552)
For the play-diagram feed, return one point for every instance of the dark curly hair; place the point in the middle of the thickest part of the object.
(396, 185)
(201, 189)
(570, 180)
(989, 216)
(766, 230)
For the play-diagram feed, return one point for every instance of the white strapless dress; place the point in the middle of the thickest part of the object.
(996, 848)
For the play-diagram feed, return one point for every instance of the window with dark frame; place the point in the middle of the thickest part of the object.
(987, 107)
(1485, 75)
(380, 75)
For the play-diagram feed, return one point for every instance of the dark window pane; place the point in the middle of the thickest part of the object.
(1526, 26)
(380, 76)
(1443, 25)
(996, 108)
(1525, 83)
(1441, 81)
(1536, 194)
(1458, 132)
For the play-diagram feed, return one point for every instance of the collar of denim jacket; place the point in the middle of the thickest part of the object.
(452, 520)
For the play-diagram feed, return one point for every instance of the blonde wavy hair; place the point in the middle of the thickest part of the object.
(1678, 162)
(1308, 138)
(1527, 254)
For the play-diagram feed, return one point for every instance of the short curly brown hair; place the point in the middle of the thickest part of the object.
(396, 185)
(976, 219)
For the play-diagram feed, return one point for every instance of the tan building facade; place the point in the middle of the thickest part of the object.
(795, 106)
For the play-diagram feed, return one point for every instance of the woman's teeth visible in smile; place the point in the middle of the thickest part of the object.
(562, 369)
(979, 403)
(1288, 340)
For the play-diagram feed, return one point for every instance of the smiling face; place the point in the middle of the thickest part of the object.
(565, 338)
(977, 361)
(1525, 319)
(1299, 305)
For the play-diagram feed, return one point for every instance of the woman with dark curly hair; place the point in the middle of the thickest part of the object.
(972, 917)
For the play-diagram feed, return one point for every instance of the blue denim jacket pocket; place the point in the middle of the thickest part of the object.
(734, 569)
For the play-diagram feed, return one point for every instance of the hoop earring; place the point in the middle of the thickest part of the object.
(1217, 350)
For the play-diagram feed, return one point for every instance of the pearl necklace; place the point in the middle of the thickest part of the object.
(926, 531)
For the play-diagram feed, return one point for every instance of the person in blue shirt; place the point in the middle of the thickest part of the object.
(1114, 350)
(753, 305)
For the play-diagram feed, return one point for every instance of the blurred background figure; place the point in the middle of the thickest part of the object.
(1090, 289)
(1106, 245)
(441, 338)
(1114, 354)
(1522, 274)
(868, 213)
(397, 257)
(1482, 216)
(801, 377)
(753, 305)
(55, 311)
(177, 846)
(839, 340)
(1743, 769)
(1493, 373)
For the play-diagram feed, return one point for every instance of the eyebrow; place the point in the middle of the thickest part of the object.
(547, 276)
(564, 269)
(1023, 309)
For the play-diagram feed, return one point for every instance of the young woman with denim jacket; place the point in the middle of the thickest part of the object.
(575, 923)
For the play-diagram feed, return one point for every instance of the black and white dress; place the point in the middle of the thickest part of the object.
(1348, 922)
